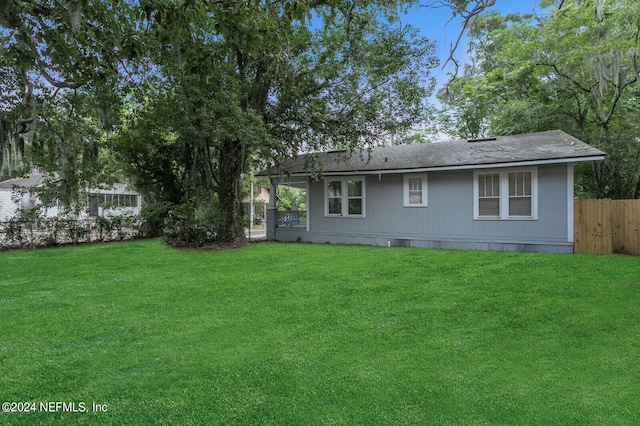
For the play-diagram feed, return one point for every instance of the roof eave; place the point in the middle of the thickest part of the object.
(446, 168)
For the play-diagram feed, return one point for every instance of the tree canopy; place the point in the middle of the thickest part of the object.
(574, 70)
(184, 97)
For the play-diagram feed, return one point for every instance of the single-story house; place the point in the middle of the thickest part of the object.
(504, 193)
(21, 193)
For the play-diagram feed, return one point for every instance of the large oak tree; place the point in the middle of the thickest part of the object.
(192, 93)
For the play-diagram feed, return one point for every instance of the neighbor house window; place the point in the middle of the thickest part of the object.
(505, 194)
(118, 200)
(345, 197)
(415, 190)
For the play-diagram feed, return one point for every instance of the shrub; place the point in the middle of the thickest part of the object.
(37, 231)
(182, 231)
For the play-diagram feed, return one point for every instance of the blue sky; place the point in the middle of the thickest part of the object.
(433, 24)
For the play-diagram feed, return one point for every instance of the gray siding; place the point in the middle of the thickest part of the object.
(447, 221)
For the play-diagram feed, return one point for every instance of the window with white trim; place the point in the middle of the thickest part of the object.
(489, 194)
(117, 200)
(415, 190)
(334, 197)
(345, 197)
(506, 194)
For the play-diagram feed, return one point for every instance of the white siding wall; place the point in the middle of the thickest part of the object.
(7, 206)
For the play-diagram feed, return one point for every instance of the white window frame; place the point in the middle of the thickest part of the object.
(504, 194)
(406, 190)
(344, 196)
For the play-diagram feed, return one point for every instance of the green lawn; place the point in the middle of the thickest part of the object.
(319, 334)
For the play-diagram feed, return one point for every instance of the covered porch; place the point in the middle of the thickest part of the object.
(291, 223)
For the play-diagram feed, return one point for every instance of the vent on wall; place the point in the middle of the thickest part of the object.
(481, 140)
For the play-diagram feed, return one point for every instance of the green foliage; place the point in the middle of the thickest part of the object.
(292, 198)
(63, 63)
(573, 70)
(11, 142)
(154, 216)
(314, 334)
(149, 153)
(70, 144)
(184, 229)
(31, 230)
(192, 93)
(257, 80)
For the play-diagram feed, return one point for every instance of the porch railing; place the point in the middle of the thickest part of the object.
(292, 219)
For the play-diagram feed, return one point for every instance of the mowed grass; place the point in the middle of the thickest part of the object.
(318, 334)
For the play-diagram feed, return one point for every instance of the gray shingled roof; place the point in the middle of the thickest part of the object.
(553, 146)
(35, 179)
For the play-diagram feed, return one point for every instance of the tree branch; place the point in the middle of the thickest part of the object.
(479, 7)
(565, 76)
(52, 81)
(27, 124)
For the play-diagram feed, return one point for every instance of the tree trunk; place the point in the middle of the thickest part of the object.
(231, 161)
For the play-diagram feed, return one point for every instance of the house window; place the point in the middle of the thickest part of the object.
(415, 190)
(505, 194)
(354, 197)
(489, 195)
(520, 194)
(345, 197)
(334, 191)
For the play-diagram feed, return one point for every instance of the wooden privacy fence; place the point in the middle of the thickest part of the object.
(607, 226)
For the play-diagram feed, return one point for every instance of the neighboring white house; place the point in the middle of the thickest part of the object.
(10, 198)
(114, 201)
(21, 193)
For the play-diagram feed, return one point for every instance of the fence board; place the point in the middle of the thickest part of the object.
(607, 226)
(628, 216)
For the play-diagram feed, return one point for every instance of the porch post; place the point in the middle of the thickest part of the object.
(272, 212)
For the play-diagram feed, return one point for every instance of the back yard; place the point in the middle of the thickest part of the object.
(141, 333)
